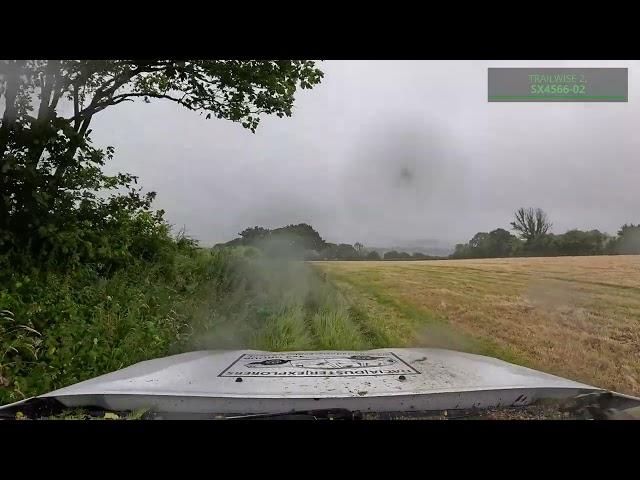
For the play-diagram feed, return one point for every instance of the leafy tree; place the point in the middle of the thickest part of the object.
(461, 250)
(628, 240)
(478, 241)
(628, 228)
(373, 255)
(531, 223)
(480, 245)
(501, 243)
(342, 251)
(329, 252)
(578, 242)
(542, 245)
(302, 236)
(347, 252)
(253, 234)
(358, 247)
(497, 243)
(394, 255)
(48, 166)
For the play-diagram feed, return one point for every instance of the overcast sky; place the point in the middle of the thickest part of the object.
(389, 152)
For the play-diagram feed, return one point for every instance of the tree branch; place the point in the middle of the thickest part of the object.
(76, 107)
(125, 96)
(12, 80)
(46, 90)
(105, 91)
(45, 111)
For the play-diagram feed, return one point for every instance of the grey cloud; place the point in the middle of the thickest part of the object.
(388, 152)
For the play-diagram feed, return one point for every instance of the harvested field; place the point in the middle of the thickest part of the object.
(577, 317)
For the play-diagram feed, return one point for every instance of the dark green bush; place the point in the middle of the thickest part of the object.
(108, 286)
(58, 328)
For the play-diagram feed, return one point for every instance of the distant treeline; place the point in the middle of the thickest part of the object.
(533, 239)
(303, 241)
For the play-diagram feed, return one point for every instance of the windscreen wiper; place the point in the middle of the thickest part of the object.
(320, 414)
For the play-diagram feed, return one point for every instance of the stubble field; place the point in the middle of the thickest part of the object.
(577, 317)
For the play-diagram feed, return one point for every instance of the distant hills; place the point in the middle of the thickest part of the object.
(426, 247)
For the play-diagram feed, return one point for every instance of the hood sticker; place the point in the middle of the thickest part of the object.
(318, 364)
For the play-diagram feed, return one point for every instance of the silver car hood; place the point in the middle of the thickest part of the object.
(381, 380)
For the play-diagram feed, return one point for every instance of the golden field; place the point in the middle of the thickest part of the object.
(577, 317)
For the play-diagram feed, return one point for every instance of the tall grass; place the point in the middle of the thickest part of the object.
(280, 305)
(335, 330)
(284, 330)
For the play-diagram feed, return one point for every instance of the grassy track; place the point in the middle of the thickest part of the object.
(577, 317)
(289, 305)
(283, 305)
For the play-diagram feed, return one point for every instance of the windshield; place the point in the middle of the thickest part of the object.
(313, 216)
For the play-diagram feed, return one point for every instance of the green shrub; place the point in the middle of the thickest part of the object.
(58, 328)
